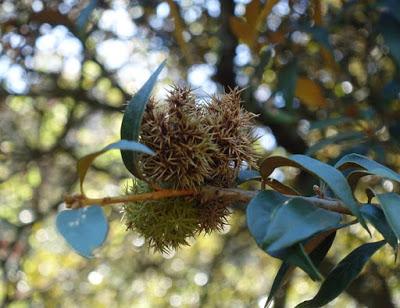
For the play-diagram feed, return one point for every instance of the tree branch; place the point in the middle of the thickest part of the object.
(227, 195)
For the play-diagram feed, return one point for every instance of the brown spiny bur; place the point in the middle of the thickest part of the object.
(232, 130)
(196, 144)
(182, 143)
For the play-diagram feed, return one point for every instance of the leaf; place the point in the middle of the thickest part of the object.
(391, 7)
(317, 16)
(252, 11)
(329, 122)
(266, 10)
(310, 93)
(132, 120)
(389, 27)
(279, 225)
(390, 203)
(85, 162)
(296, 221)
(317, 254)
(242, 30)
(259, 212)
(287, 80)
(280, 187)
(359, 161)
(377, 218)
(331, 176)
(248, 175)
(339, 137)
(297, 256)
(279, 280)
(342, 275)
(264, 61)
(83, 17)
(320, 35)
(84, 229)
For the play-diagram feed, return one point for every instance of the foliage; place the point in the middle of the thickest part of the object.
(322, 78)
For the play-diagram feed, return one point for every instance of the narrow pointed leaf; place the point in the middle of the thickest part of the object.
(362, 162)
(390, 203)
(287, 81)
(377, 218)
(132, 120)
(340, 137)
(248, 175)
(342, 275)
(84, 16)
(330, 175)
(85, 162)
(84, 229)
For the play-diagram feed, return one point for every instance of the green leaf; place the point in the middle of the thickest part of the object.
(329, 122)
(279, 280)
(389, 28)
(279, 225)
(83, 17)
(320, 35)
(342, 275)
(287, 80)
(84, 229)
(296, 221)
(297, 256)
(331, 176)
(390, 6)
(85, 162)
(259, 212)
(340, 137)
(377, 218)
(248, 175)
(362, 162)
(390, 203)
(316, 256)
(132, 120)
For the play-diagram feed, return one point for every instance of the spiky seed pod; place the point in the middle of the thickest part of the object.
(231, 127)
(182, 143)
(166, 224)
(213, 215)
(195, 145)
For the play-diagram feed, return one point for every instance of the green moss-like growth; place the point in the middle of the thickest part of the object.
(165, 224)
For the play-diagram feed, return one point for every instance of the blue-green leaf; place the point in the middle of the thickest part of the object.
(83, 17)
(389, 27)
(85, 162)
(330, 175)
(296, 221)
(132, 120)
(377, 218)
(342, 275)
(390, 203)
(340, 137)
(362, 162)
(247, 175)
(329, 122)
(280, 225)
(84, 229)
(287, 80)
(259, 212)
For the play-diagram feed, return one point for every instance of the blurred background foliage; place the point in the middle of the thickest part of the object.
(323, 76)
